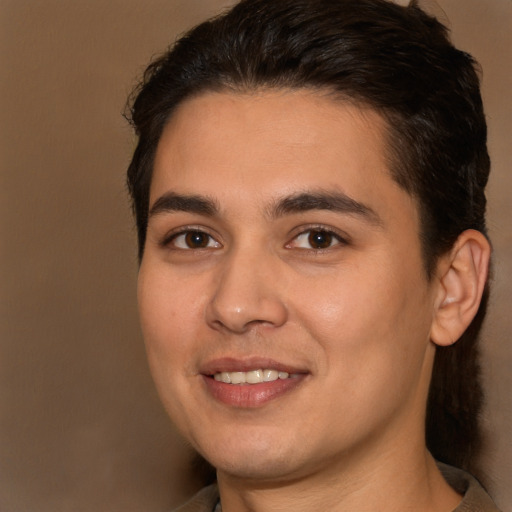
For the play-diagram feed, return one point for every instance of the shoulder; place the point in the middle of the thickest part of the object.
(203, 501)
(475, 497)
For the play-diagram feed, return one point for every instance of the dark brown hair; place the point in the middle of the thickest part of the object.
(398, 61)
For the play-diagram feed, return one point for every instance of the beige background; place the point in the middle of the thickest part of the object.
(81, 428)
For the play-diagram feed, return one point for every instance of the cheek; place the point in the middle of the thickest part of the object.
(380, 317)
(373, 337)
(170, 314)
(168, 317)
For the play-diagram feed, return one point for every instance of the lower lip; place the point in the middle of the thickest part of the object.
(251, 395)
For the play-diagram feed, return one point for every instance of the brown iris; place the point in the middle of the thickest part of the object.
(320, 239)
(196, 239)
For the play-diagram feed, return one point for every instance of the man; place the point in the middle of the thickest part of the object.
(309, 193)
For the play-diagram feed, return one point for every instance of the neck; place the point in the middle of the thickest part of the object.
(387, 484)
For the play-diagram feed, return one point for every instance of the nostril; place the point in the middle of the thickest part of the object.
(242, 319)
(243, 297)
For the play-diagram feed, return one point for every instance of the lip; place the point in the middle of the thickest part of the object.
(250, 396)
(232, 364)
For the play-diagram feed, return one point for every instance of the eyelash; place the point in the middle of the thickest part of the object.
(333, 239)
(171, 238)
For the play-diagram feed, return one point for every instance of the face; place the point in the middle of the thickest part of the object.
(282, 294)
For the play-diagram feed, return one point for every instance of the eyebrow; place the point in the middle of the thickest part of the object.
(172, 202)
(295, 203)
(323, 200)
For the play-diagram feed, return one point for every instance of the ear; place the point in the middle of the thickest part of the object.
(462, 274)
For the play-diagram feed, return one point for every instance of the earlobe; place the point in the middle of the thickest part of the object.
(462, 275)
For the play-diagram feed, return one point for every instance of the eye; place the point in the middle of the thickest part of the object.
(193, 239)
(316, 239)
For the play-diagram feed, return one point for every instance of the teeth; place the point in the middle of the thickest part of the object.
(252, 377)
(237, 377)
(270, 375)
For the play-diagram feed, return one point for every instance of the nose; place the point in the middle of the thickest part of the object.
(246, 294)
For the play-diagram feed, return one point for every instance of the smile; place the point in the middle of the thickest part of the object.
(250, 382)
(252, 377)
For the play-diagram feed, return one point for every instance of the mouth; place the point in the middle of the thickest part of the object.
(253, 376)
(250, 383)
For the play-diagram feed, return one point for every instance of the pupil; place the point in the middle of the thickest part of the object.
(320, 239)
(196, 239)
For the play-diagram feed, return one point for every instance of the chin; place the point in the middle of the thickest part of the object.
(261, 462)
(266, 469)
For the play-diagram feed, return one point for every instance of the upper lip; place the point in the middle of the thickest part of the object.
(246, 364)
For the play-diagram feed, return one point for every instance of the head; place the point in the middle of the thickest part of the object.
(394, 61)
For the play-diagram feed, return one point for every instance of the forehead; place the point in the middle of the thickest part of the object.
(271, 143)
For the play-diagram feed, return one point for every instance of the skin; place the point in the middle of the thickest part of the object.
(354, 317)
